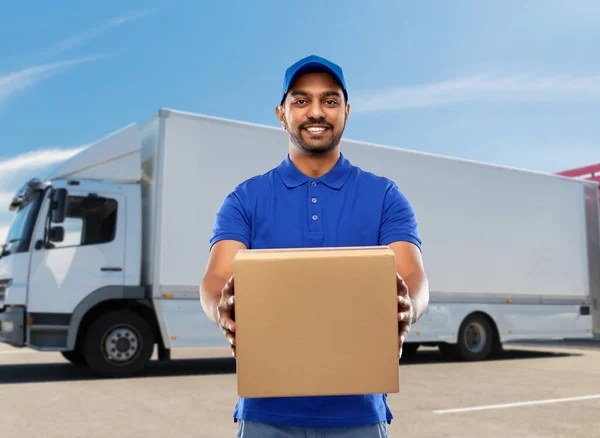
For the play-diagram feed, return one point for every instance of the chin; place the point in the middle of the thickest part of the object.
(313, 146)
(321, 149)
(322, 142)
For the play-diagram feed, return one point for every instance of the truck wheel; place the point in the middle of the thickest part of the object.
(75, 357)
(475, 338)
(118, 343)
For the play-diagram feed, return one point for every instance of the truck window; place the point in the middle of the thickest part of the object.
(20, 232)
(89, 221)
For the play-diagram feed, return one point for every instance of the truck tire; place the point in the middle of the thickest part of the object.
(475, 338)
(75, 357)
(118, 343)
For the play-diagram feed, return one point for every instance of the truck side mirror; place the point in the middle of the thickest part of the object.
(56, 234)
(59, 206)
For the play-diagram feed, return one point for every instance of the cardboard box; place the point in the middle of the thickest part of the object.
(318, 321)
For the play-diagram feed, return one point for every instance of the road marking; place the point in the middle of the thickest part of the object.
(518, 404)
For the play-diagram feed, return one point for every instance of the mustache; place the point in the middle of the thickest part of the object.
(312, 121)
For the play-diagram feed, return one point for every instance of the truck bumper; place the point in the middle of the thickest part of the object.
(12, 326)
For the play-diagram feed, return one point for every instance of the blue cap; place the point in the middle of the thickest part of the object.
(309, 64)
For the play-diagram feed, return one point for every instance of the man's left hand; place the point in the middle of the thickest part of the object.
(405, 311)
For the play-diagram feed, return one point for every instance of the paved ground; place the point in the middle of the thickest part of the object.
(533, 390)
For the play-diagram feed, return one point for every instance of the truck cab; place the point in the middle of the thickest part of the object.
(71, 266)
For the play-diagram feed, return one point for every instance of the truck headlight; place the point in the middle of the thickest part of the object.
(7, 326)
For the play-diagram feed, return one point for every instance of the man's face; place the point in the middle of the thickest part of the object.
(314, 113)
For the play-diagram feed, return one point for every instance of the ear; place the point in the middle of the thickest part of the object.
(280, 113)
(347, 110)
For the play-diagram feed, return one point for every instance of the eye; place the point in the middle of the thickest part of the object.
(299, 101)
(331, 102)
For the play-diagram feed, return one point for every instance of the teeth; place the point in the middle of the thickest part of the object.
(316, 129)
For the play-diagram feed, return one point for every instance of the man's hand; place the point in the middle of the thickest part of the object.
(217, 289)
(226, 313)
(405, 311)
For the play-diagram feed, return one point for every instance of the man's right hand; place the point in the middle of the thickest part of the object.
(216, 291)
(226, 313)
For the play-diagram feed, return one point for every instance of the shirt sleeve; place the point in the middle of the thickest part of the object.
(399, 222)
(232, 221)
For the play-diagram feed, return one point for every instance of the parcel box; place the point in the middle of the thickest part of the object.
(316, 322)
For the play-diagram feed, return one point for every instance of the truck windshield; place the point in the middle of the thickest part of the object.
(19, 234)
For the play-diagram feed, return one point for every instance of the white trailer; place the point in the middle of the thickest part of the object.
(104, 260)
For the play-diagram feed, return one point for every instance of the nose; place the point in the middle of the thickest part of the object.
(315, 110)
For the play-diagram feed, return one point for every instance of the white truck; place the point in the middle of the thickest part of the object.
(105, 256)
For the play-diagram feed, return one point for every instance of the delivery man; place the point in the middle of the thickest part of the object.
(301, 203)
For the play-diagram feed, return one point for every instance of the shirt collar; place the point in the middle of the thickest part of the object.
(335, 178)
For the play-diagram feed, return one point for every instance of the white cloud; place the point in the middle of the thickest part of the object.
(35, 160)
(82, 38)
(521, 88)
(12, 83)
(17, 170)
(20, 80)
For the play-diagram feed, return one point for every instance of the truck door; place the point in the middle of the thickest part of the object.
(86, 255)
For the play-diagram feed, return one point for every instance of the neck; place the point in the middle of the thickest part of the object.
(314, 166)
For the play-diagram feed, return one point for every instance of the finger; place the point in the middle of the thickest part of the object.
(226, 310)
(225, 316)
(227, 324)
(404, 327)
(226, 306)
(402, 335)
(223, 312)
(401, 286)
(230, 336)
(404, 316)
(399, 280)
(228, 302)
(229, 288)
(404, 302)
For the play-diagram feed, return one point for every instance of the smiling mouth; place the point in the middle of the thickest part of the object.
(316, 129)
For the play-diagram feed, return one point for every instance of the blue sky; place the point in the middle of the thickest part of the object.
(515, 82)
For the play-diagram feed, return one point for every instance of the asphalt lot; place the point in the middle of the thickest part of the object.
(531, 390)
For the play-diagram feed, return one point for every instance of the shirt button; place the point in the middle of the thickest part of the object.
(314, 184)
(314, 200)
(315, 217)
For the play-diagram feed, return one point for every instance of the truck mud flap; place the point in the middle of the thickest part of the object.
(12, 326)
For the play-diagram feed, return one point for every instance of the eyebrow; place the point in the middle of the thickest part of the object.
(326, 93)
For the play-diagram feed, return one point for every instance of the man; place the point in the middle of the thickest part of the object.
(315, 197)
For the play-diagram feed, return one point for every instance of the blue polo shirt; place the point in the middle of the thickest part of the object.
(284, 208)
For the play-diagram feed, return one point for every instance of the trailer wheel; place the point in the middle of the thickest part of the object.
(118, 343)
(475, 338)
(75, 357)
